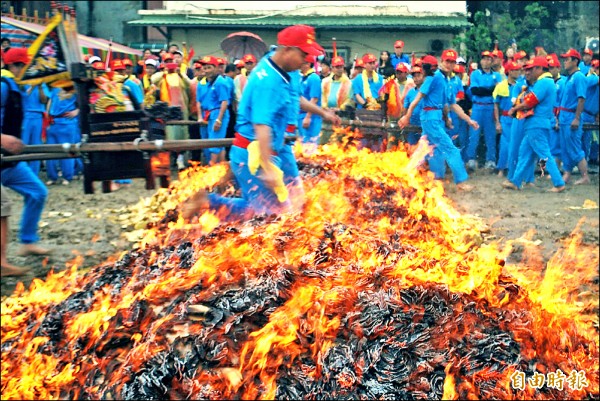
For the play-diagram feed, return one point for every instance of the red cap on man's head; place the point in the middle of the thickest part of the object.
(240, 64)
(572, 53)
(221, 61)
(210, 60)
(16, 55)
(249, 58)
(337, 61)
(459, 69)
(498, 53)
(401, 67)
(511, 66)
(594, 63)
(417, 61)
(369, 58)
(449, 55)
(127, 62)
(197, 65)
(553, 60)
(310, 59)
(486, 53)
(417, 70)
(398, 43)
(538, 61)
(429, 60)
(519, 55)
(359, 63)
(97, 65)
(302, 37)
(588, 51)
(117, 65)
(167, 56)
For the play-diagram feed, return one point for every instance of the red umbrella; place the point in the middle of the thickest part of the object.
(238, 44)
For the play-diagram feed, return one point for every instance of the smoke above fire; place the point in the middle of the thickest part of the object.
(377, 289)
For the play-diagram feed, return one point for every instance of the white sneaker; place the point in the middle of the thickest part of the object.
(472, 165)
(490, 165)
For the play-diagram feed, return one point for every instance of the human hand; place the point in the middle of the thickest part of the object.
(269, 177)
(306, 122)
(449, 124)
(498, 128)
(473, 124)
(329, 115)
(217, 125)
(575, 124)
(403, 122)
(12, 144)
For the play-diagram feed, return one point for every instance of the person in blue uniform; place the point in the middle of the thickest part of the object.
(539, 107)
(366, 85)
(590, 113)
(415, 119)
(435, 96)
(34, 106)
(502, 104)
(569, 118)
(309, 125)
(559, 81)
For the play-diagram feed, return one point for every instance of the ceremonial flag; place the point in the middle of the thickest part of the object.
(48, 57)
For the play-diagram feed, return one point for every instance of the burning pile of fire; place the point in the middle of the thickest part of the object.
(378, 289)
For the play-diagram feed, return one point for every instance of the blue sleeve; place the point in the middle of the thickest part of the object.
(426, 87)
(314, 87)
(409, 98)
(540, 90)
(475, 75)
(580, 85)
(4, 98)
(592, 80)
(46, 89)
(222, 92)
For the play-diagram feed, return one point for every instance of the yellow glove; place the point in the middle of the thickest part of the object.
(254, 162)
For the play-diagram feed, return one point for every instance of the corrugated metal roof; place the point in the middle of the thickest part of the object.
(457, 22)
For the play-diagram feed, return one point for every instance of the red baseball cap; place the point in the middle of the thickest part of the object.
(221, 61)
(498, 53)
(449, 54)
(511, 66)
(117, 65)
(417, 61)
(97, 65)
(337, 61)
(553, 60)
(167, 56)
(594, 63)
(249, 58)
(401, 67)
(486, 53)
(240, 64)
(197, 65)
(572, 53)
(16, 55)
(127, 61)
(302, 37)
(398, 43)
(210, 60)
(429, 60)
(459, 69)
(519, 55)
(417, 70)
(359, 63)
(538, 61)
(369, 58)
(310, 59)
(588, 51)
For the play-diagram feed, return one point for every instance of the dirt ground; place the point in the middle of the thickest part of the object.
(74, 223)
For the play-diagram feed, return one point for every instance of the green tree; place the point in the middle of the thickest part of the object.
(477, 38)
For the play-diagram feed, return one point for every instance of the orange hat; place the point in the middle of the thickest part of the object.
(337, 61)
(459, 69)
(16, 55)
(594, 63)
(117, 65)
(417, 62)
(498, 53)
(588, 51)
(417, 70)
(553, 60)
(398, 43)
(538, 61)
(401, 67)
(572, 53)
(167, 56)
(210, 60)
(449, 54)
(511, 66)
(127, 62)
(369, 58)
(240, 64)
(359, 63)
(301, 36)
(519, 55)
(486, 53)
(249, 58)
(221, 61)
(429, 60)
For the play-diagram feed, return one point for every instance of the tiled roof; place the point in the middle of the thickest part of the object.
(406, 22)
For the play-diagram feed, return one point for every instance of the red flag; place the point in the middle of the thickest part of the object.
(190, 55)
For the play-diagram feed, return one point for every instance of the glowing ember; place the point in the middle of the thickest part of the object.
(378, 289)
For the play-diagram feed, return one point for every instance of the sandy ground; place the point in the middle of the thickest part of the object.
(74, 223)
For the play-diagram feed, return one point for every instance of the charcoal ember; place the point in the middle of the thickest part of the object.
(185, 251)
(52, 325)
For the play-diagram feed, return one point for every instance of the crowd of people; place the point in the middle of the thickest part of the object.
(526, 111)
